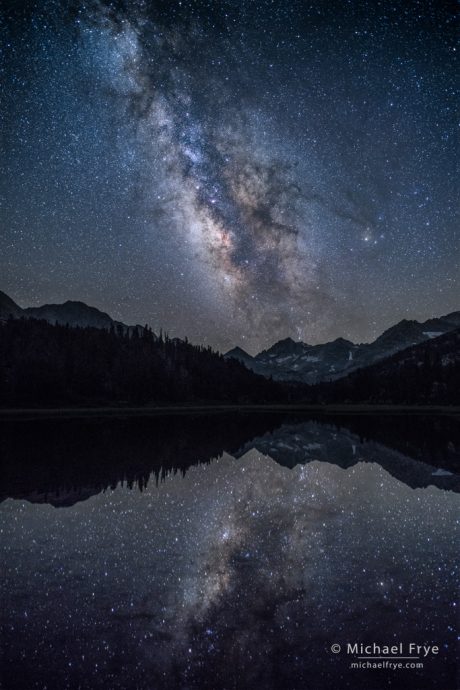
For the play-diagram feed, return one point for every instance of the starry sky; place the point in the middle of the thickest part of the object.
(237, 172)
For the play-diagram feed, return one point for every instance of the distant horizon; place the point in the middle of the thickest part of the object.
(164, 328)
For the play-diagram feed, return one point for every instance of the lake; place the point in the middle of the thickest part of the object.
(236, 550)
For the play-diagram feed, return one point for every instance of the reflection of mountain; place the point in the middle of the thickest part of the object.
(62, 462)
(434, 440)
(54, 460)
(301, 443)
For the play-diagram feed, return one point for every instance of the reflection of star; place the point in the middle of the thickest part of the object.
(231, 570)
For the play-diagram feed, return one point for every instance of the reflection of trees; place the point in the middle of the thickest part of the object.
(52, 456)
(82, 457)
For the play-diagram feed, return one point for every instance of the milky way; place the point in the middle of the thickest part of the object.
(233, 172)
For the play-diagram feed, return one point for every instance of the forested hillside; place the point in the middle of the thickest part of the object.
(427, 373)
(45, 365)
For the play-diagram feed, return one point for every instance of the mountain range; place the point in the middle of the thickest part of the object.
(288, 360)
(73, 313)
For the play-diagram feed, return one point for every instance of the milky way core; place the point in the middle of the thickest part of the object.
(233, 172)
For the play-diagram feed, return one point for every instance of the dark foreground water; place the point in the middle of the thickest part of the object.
(229, 551)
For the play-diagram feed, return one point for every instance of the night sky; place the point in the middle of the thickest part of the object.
(237, 172)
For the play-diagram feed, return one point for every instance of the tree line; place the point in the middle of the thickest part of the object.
(424, 374)
(47, 365)
(43, 364)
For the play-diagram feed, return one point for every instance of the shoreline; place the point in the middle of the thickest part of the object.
(165, 410)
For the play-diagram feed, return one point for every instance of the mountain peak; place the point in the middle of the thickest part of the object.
(239, 354)
(452, 318)
(8, 306)
(287, 346)
(403, 327)
(76, 302)
(74, 313)
(342, 341)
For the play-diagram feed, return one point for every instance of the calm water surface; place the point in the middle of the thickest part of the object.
(227, 552)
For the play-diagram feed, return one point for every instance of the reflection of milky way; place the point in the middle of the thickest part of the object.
(241, 574)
